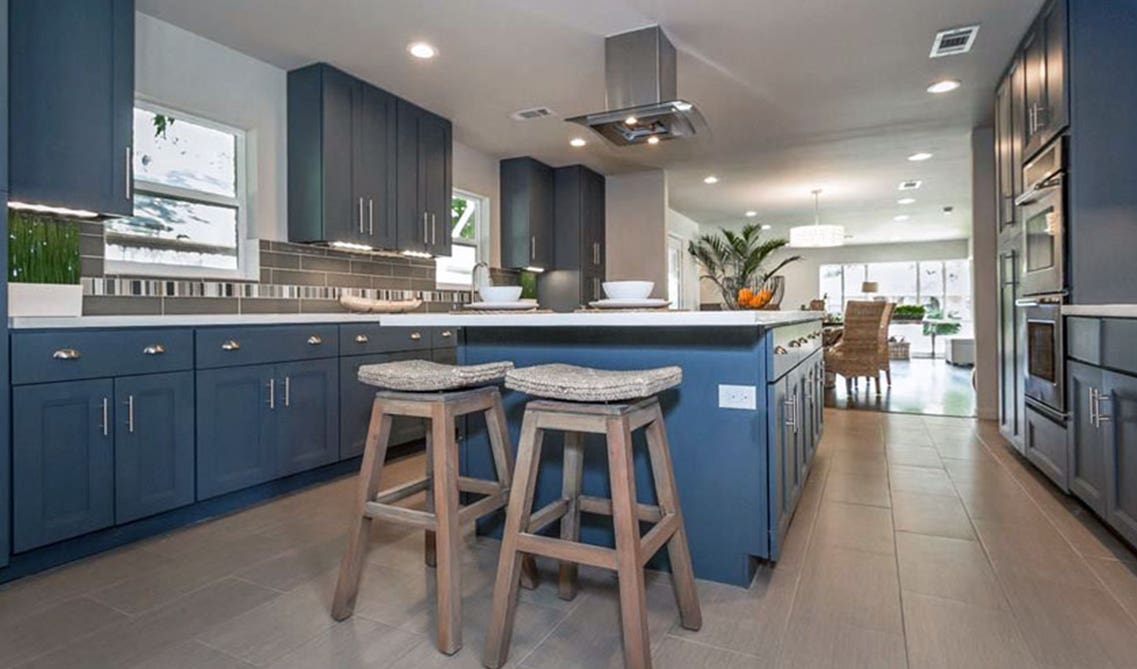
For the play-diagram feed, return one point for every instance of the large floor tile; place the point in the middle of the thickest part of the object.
(857, 489)
(949, 568)
(848, 586)
(867, 528)
(922, 480)
(914, 456)
(827, 644)
(676, 653)
(357, 643)
(946, 634)
(1033, 549)
(1119, 579)
(28, 637)
(191, 655)
(930, 514)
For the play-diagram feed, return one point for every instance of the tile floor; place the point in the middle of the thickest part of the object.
(919, 386)
(919, 542)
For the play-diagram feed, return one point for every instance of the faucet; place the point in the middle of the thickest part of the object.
(479, 278)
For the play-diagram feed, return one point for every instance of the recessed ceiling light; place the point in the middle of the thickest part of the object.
(751, 214)
(577, 142)
(766, 226)
(631, 120)
(919, 157)
(901, 217)
(653, 140)
(422, 50)
(712, 179)
(906, 200)
(945, 86)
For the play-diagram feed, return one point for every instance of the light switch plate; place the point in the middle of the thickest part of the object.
(738, 397)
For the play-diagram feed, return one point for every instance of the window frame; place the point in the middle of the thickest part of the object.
(248, 259)
(480, 243)
(921, 295)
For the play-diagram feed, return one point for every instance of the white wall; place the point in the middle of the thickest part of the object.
(636, 236)
(182, 71)
(984, 265)
(478, 173)
(803, 277)
(686, 230)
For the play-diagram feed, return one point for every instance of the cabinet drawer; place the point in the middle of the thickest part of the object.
(373, 338)
(41, 357)
(1117, 337)
(232, 346)
(1083, 339)
(443, 337)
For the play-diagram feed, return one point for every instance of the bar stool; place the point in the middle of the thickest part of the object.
(440, 394)
(615, 404)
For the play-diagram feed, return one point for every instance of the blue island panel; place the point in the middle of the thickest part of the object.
(719, 455)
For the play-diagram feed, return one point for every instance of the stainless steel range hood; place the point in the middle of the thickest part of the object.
(639, 71)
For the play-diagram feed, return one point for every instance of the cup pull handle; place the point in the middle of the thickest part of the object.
(415, 336)
(231, 345)
(154, 349)
(66, 354)
(315, 340)
(361, 339)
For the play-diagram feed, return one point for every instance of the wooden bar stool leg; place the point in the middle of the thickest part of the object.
(498, 433)
(682, 575)
(374, 452)
(429, 547)
(500, 629)
(448, 575)
(570, 523)
(629, 566)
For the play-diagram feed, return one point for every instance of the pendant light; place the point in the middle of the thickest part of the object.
(817, 235)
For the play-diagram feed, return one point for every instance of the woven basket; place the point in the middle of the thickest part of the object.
(899, 350)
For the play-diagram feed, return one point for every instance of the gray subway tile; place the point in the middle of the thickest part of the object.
(121, 305)
(321, 307)
(199, 305)
(274, 260)
(324, 263)
(349, 280)
(268, 305)
(90, 266)
(291, 277)
(91, 245)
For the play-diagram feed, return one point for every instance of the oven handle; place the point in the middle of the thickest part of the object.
(1050, 183)
(1026, 303)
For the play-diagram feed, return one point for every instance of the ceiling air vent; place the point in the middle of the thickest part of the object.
(953, 41)
(530, 114)
(912, 184)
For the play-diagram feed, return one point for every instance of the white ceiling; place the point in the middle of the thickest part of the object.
(798, 95)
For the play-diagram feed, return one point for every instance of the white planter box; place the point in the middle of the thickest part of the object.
(44, 299)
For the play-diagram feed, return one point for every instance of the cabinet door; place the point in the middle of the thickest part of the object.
(1009, 372)
(1054, 117)
(1119, 411)
(593, 207)
(342, 221)
(1086, 439)
(62, 461)
(777, 487)
(795, 436)
(153, 445)
(374, 164)
(412, 227)
(307, 415)
(1005, 164)
(67, 56)
(434, 179)
(236, 414)
(356, 400)
(1045, 445)
(1034, 69)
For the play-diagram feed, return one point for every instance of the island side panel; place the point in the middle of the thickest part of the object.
(720, 455)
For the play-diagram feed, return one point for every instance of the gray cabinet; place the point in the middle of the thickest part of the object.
(307, 423)
(341, 159)
(578, 240)
(235, 428)
(1119, 413)
(793, 405)
(1045, 445)
(1009, 115)
(527, 214)
(71, 67)
(1044, 63)
(1086, 434)
(1010, 372)
(425, 180)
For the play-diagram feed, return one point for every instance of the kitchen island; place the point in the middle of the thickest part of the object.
(743, 425)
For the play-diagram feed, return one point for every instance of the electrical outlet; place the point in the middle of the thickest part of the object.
(738, 397)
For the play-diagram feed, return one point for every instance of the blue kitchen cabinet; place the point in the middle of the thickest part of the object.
(62, 461)
(153, 444)
(307, 415)
(356, 400)
(71, 66)
(1119, 418)
(236, 428)
(794, 430)
(1086, 436)
(424, 160)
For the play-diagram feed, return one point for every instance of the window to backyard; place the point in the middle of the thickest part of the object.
(469, 229)
(189, 199)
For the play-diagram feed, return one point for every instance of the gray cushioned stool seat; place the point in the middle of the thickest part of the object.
(585, 384)
(426, 376)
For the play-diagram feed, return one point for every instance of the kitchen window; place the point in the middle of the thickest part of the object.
(469, 235)
(190, 206)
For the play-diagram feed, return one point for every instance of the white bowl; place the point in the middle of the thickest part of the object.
(500, 293)
(628, 290)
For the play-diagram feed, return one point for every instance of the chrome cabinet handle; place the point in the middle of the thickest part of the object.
(272, 394)
(66, 354)
(415, 336)
(1102, 418)
(231, 345)
(361, 216)
(106, 418)
(154, 349)
(288, 391)
(791, 412)
(1093, 393)
(315, 340)
(129, 173)
(447, 334)
(533, 248)
(433, 230)
(130, 413)
(361, 339)
(370, 216)
(425, 225)
(595, 253)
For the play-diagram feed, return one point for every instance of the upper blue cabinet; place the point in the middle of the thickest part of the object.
(425, 181)
(72, 71)
(341, 155)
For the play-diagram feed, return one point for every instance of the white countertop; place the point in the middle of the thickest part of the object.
(504, 319)
(1102, 310)
(606, 319)
(195, 320)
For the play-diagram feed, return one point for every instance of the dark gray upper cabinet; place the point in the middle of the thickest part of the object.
(1044, 63)
(425, 180)
(1010, 353)
(578, 240)
(527, 214)
(71, 66)
(341, 148)
(1009, 122)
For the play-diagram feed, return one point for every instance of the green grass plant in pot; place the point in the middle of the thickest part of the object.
(43, 266)
(737, 260)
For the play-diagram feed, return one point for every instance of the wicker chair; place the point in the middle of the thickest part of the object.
(859, 351)
(885, 359)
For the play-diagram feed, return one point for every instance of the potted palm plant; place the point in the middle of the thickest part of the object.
(736, 262)
(43, 266)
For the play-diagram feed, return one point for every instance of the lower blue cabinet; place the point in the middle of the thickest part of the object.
(153, 444)
(235, 428)
(307, 415)
(62, 461)
(356, 400)
(793, 404)
(1119, 419)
